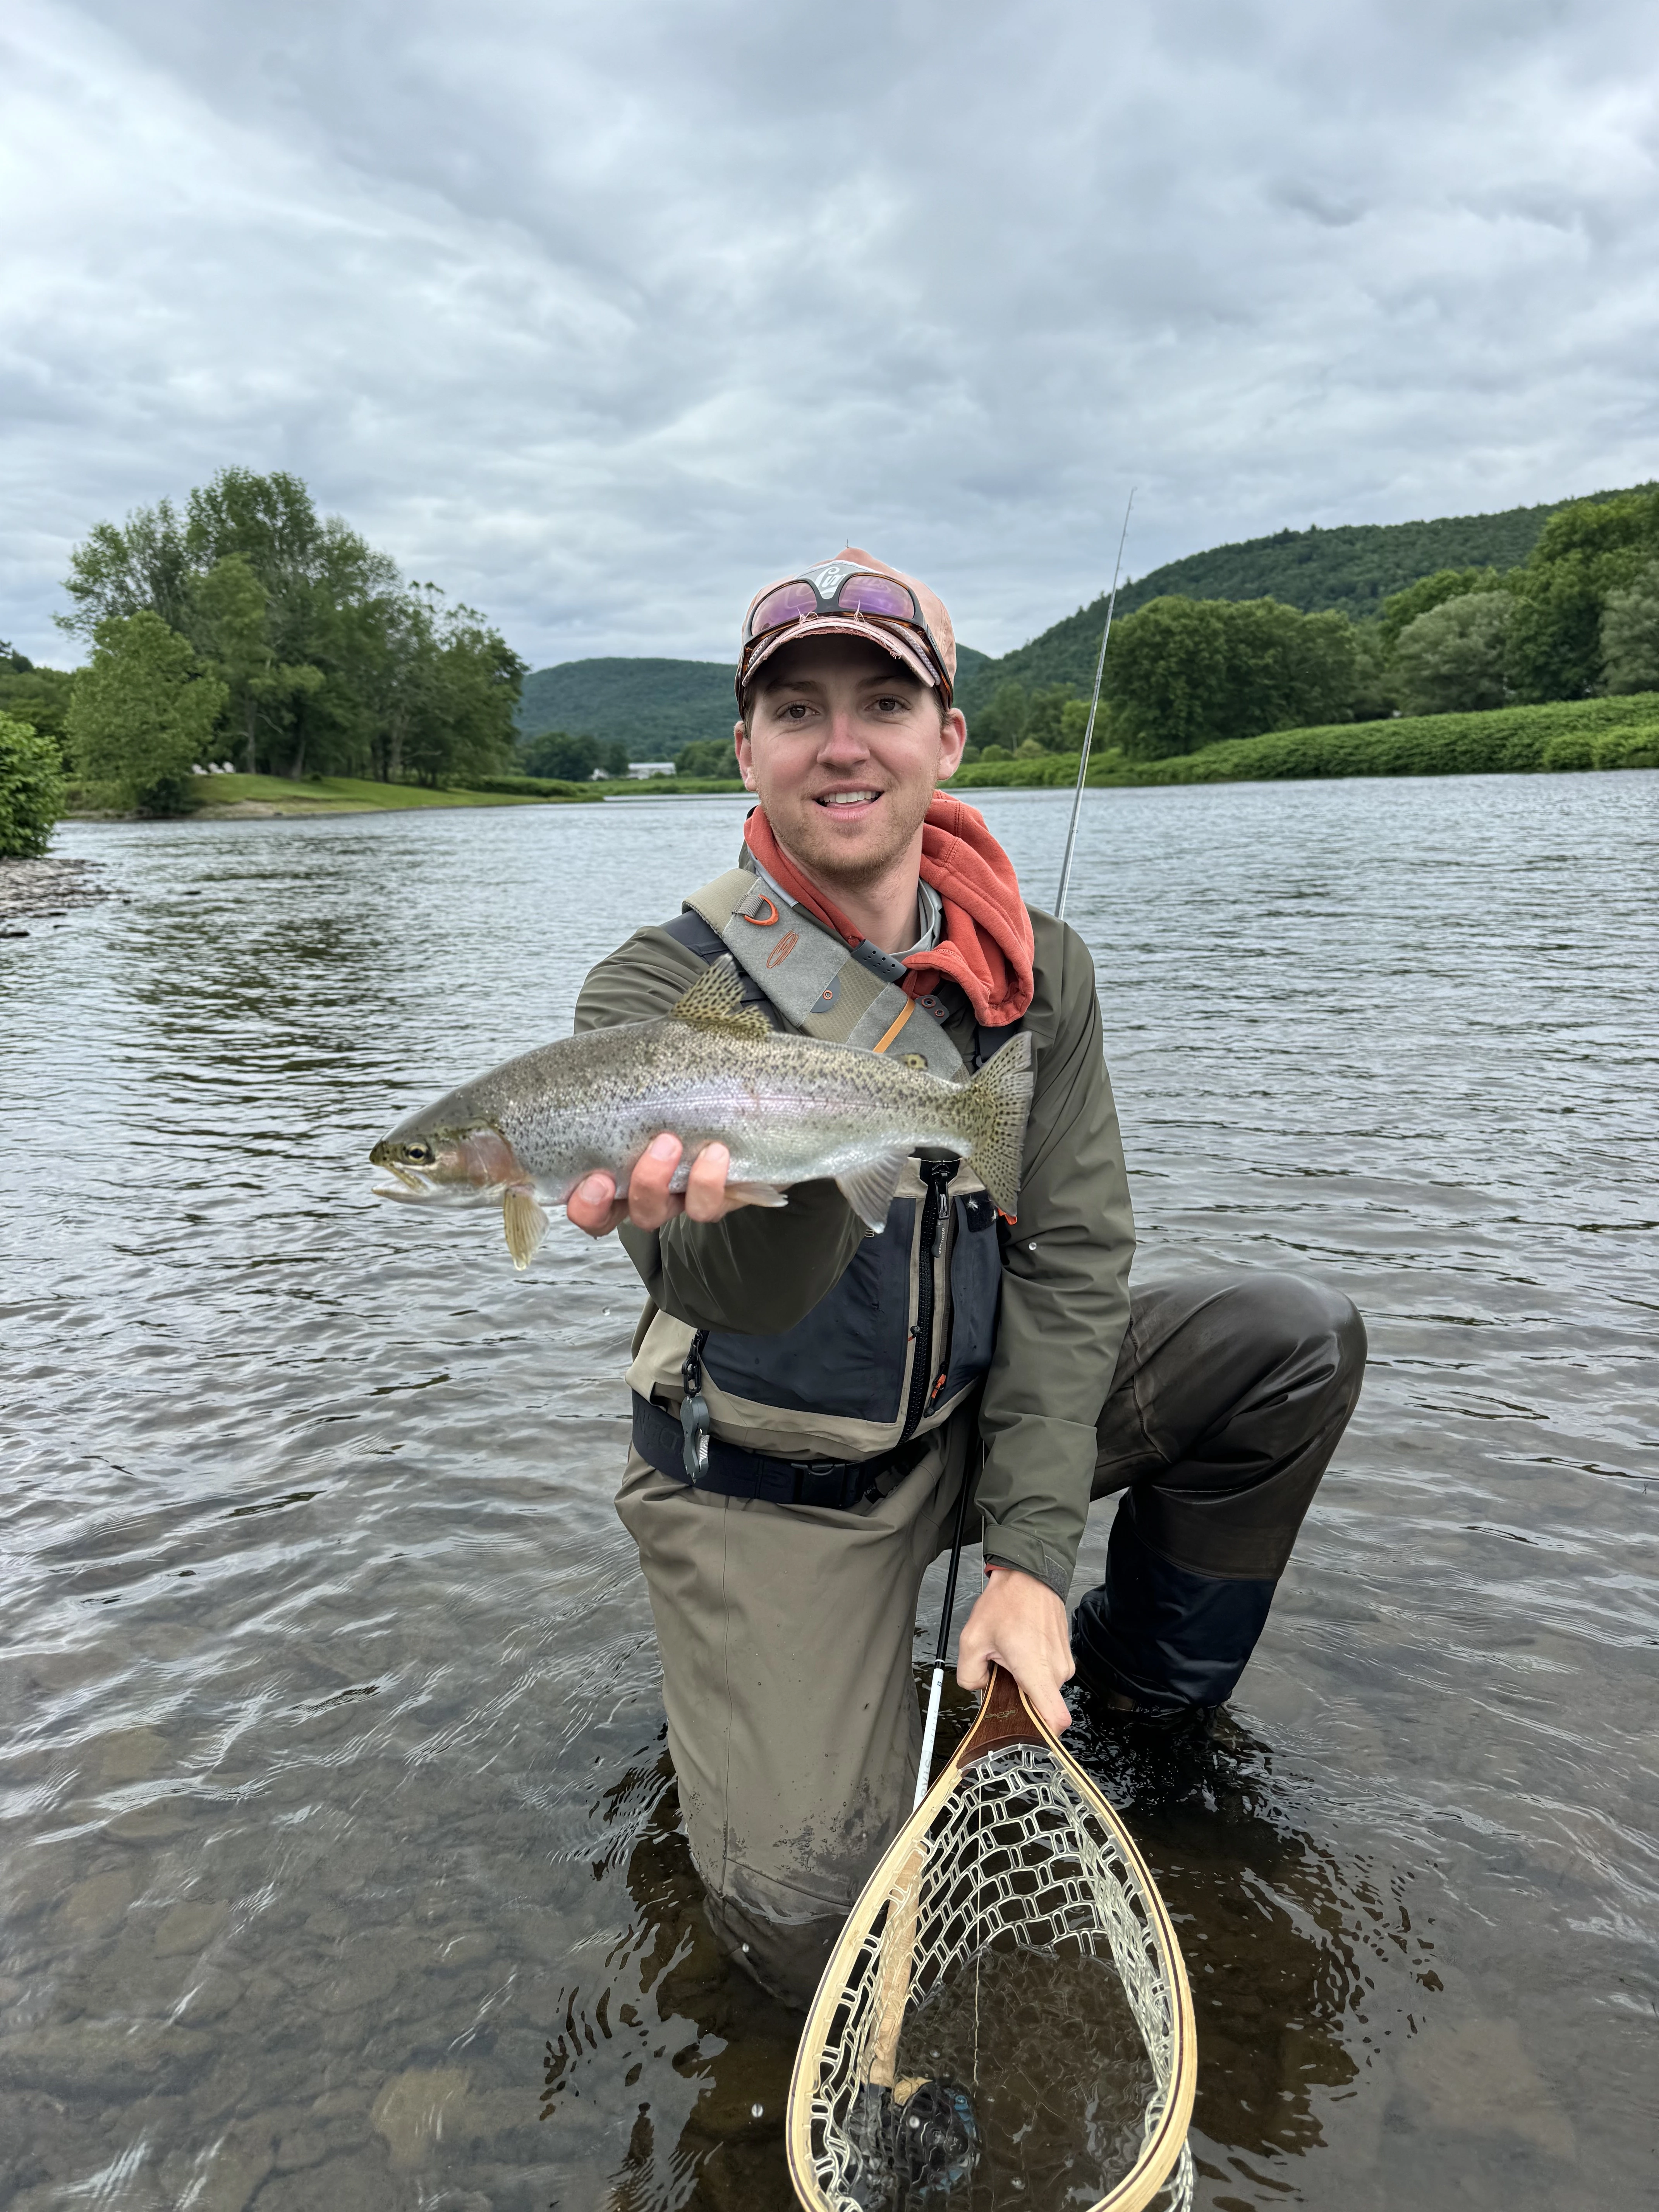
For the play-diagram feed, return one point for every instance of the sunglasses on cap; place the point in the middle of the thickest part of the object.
(835, 589)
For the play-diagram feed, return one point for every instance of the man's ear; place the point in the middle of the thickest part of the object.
(745, 754)
(952, 736)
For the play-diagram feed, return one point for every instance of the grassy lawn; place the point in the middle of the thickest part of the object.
(345, 794)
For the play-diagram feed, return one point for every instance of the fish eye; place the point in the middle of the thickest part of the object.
(418, 1156)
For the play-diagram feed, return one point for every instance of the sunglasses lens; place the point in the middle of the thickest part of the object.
(787, 605)
(875, 595)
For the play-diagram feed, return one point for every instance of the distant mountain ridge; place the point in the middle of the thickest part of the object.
(654, 706)
(1354, 566)
(658, 706)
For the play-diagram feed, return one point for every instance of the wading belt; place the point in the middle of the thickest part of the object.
(660, 1440)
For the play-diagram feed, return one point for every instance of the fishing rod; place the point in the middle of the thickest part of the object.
(1088, 735)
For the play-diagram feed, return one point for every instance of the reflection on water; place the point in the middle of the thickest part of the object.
(341, 1860)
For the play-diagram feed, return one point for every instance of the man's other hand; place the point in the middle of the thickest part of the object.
(1019, 1623)
(594, 1206)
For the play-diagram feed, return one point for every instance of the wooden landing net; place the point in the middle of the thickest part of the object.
(1012, 1850)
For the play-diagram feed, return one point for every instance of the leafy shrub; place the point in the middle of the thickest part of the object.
(1632, 748)
(1600, 733)
(30, 790)
(525, 786)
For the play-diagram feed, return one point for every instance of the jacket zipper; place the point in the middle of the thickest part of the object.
(938, 1175)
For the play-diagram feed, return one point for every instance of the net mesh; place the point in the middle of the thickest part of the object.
(1015, 1857)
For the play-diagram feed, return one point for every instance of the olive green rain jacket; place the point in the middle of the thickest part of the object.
(1065, 1289)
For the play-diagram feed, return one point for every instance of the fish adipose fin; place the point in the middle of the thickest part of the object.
(526, 1225)
(990, 1115)
(869, 1189)
(715, 1002)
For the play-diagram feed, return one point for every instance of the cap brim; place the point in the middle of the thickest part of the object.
(916, 659)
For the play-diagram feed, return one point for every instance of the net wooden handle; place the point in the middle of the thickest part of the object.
(1004, 1717)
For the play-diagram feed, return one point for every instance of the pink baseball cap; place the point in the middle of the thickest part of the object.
(852, 595)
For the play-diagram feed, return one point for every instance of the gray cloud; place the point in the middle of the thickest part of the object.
(598, 317)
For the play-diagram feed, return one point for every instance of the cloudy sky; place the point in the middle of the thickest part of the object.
(599, 315)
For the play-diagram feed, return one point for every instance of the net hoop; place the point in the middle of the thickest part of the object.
(1007, 1739)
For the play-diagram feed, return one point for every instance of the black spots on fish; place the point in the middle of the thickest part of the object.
(715, 1001)
(992, 1113)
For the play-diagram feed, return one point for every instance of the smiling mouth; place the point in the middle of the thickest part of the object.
(847, 798)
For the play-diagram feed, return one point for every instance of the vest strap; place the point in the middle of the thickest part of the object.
(815, 980)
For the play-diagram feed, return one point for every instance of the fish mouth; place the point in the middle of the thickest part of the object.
(468, 1169)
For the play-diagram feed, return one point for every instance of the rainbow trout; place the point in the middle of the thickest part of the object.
(790, 1108)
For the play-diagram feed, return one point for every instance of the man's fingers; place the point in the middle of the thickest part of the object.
(594, 1206)
(1051, 1708)
(650, 1201)
(705, 1187)
(973, 1667)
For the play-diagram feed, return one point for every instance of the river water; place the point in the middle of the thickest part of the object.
(341, 1864)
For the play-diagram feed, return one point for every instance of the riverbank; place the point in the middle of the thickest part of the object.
(1577, 734)
(266, 798)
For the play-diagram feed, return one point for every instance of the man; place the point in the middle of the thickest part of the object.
(809, 1398)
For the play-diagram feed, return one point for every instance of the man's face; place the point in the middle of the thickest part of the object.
(845, 748)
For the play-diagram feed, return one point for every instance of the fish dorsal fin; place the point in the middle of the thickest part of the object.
(714, 1001)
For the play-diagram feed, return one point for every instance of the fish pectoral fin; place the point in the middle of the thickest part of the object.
(869, 1189)
(526, 1225)
(756, 1193)
(714, 1001)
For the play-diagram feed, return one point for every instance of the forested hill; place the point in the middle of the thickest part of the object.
(654, 706)
(1353, 567)
(658, 706)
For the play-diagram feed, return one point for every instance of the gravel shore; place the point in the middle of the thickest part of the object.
(31, 890)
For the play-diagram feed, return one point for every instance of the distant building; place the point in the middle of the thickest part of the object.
(650, 768)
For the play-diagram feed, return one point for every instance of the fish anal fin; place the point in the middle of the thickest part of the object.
(715, 1001)
(756, 1193)
(526, 1225)
(869, 1189)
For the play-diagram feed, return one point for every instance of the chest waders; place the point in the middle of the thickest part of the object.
(826, 1413)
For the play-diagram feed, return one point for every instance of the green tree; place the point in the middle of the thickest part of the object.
(712, 757)
(1421, 598)
(228, 613)
(1045, 720)
(30, 790)
(557, 753)
(1451, 659)
(141, 565)
(1630, 635)
(1182, 673)
(40, 696)
(143, 714)
(1584, 553)
(1002, 721)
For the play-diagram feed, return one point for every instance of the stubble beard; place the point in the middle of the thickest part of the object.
(821, 855)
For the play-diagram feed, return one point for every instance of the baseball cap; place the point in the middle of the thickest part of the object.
(835, 604)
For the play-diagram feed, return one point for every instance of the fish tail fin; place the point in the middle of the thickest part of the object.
(990, 1115)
